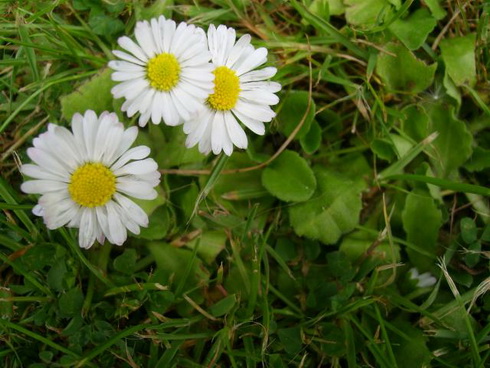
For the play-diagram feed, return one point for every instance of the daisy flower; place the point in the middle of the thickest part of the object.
(166, 74)
(241, 94)
(85, 176)
(422, 280)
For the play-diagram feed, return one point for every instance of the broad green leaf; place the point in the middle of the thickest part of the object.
(289, 178)
(169, 148)
(228, 188)
(157, 8)
(319, 8)
(332, 211)
(336, 7)
(150, 206)
(313, 139)
(366, 12)
(473, 256)
(415, 122)
(413, 30)
(126, 262)
(401, 144)
(95, 94)
(383, 148)
(223, 306)
(158, 226)
(452, 133)
(404, 72)
(357, 243)
(479, 160)
(105, 25)
(290, 338)
(409, 345)
(459, 58)
(292, 112)
(333, 340)
(211, 243)
(56, 274)
(469, 232)
(436, 8)
(6, 305)
(286, 249)
(421, 222)
(173, 265)
(451, 89)
(70, 303)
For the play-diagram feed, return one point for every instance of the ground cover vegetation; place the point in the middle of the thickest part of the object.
(353, 233)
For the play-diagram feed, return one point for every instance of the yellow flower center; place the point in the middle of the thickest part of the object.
(92, 185)
(226, 89)
(163, 71)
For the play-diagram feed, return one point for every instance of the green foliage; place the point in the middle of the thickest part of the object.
(452, 133)
(304, 260)
(366, 13)
(421, 221)
(401, 71)
(289, 178)
(413, 30)
(459, 58)
(332, 211)
(294, 107)
(94, 94)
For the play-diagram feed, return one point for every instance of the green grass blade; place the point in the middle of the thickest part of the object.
(443, 183)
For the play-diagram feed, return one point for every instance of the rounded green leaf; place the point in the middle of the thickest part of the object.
(313, 139)
(459, 57)
(293, 109)
(400, 70)
(333, 210)
(413, 30)
(289, 178)
(95, 94)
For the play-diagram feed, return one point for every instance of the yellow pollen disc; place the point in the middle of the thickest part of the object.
(226, 89)
(92, 185)
(163, 71)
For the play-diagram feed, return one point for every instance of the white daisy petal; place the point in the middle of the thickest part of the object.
(271, 87)
(87, 232)
(257, 112)
(144, 36)
(241, 48)
(135, 153)
(91, 195)
(136, 188)
(127, 44)
(257, 58)
(139, 167)
(258, 75)
(117, 231)
(167, 28)
(164, 59)
(38, 172)
(138, 215)
(124, 66)
(123, 76)
(260, 97)
(219, 136)
(42, 186)
(169, 112)
(235, 131)
(127, 140)
(125, 56)
(255, 126)
(240, 94)
(38, 210)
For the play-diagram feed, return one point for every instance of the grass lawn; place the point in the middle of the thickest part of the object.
(352, 229)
